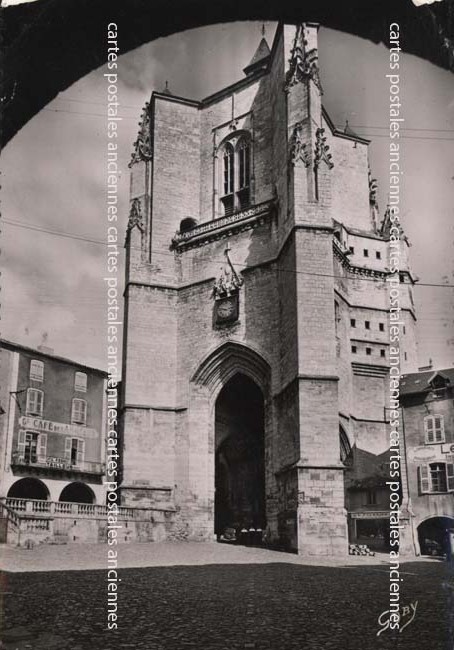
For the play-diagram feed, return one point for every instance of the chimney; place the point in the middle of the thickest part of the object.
(45, 349)
(428, 367)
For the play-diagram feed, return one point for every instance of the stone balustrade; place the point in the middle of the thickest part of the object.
(65, 508)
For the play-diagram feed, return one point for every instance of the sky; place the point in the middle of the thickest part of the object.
(53, 190)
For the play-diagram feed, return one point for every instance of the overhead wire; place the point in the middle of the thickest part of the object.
(77, 237)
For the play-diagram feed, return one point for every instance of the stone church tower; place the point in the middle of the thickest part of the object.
(256, 336)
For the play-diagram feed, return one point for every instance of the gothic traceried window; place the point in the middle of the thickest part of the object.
(244, 176)
(236, 174)
(345, 448)
(228, 169)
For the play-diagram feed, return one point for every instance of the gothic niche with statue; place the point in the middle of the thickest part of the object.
(226, 294)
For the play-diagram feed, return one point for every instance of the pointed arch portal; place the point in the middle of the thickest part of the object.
(239, 456)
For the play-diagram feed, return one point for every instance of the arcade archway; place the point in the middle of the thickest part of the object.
(77, 493)
(433, 535)
(28, 488)
(240, 456)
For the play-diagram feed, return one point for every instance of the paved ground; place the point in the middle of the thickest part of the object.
(251, 599)
(94, 556)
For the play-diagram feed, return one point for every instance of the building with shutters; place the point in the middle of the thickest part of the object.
(52, 429)
(256, 342)
(427, 406)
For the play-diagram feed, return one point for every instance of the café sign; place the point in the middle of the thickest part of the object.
(48, 426)
(377, 514)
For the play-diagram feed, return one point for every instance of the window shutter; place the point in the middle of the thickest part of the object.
(439, 429)
(80, 382)
(429, 428)
(35, 399)
(39, 401)
(450, 476)
(68, 442)
(424, 487)
(21, 442)
(42, 447)
(80, 451)
(79, 411)
(30, 401)
(36, 370)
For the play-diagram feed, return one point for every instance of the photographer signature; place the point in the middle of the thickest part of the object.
(387, 620)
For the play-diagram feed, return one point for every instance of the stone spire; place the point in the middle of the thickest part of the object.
(260, 58)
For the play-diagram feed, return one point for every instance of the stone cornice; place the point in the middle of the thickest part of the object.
(224, 226)
(303, 377)
(368, 341)
(342, 254)
(301, 464)
(384, 310)
(154, 407)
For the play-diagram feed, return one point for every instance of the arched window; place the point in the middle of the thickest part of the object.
(345, 449)
(236, 174)
(228, 161)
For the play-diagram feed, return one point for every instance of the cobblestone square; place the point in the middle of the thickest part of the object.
(254, 599)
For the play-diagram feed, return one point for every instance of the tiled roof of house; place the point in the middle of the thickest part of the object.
(367, 470)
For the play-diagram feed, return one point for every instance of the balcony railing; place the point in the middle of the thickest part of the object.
(54, 463)
(63, 508)
(217, 228)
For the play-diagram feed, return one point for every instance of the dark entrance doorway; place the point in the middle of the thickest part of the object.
(240, 457)
(433, 535)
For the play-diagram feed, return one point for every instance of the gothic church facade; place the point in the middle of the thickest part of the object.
(256, 330)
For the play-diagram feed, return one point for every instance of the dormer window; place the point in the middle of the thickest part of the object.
(236, 174)
(438, 382)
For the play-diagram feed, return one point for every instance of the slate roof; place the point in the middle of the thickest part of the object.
(418, 382)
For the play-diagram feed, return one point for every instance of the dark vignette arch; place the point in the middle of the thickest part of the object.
(47, 45)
